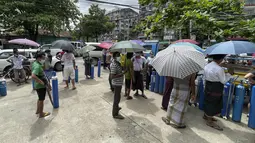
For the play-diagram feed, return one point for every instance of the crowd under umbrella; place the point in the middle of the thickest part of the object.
(186, 40)
(127, 46)
(231, 48)
(179, 61)
(185, 44)
(105, 45)
(25, 42)
(64, 45)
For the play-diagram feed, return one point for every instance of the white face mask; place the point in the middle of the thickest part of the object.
(118, 59)
(42, 61)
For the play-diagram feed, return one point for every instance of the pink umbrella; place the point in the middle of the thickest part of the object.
(105, 45)
(24, 42)
(187, 40)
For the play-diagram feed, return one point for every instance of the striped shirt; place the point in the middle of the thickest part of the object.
(116, 69)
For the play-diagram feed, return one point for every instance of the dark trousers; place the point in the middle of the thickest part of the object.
(116, 101)
(104, 60)
(148, 80)
(110, 82)
(167, 93)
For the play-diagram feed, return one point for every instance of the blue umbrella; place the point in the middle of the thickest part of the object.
(189, 45)
(231, 48)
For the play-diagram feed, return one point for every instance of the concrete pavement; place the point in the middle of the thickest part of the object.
(84, 116)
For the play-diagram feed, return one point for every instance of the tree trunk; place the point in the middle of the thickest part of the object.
(87, 37)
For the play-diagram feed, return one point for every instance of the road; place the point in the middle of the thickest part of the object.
(84, 116)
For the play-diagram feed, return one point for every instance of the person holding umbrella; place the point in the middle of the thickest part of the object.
(117, 77)
(87, 63)
(215, 80)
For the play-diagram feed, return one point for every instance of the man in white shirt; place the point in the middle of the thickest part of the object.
(215, 80)
(69, 65)
(17, 61)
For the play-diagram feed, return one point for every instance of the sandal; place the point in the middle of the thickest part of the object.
(215, 126)
(129, 97)
(166, 120)
(66, 87)
(178, 127)
(165, 109)
(73, 88)
(136, 94)
(206, 118)
(145, 97)
(45, 114)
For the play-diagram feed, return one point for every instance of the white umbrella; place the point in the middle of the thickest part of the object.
(178, 61)
(87, 49)
(126, 46)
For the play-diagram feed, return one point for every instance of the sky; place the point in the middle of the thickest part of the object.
(84, 5)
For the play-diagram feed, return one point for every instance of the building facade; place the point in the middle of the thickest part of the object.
(125, 20)
(249, 7)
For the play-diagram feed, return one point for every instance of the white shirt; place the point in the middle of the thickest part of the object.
(214, 73)
(17, 61)
(149, 60)
(138, 63)
(68, 59)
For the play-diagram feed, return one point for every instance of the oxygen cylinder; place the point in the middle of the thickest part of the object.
(238, 102)
(201, 93)
(227, 92)
(251, 121)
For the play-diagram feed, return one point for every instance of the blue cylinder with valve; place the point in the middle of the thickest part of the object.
(226, 98)
(92, 72)
(157, 83)
(76, 74)
(251, 121)
(3, 87)
(238, 102)
(99, 68)
(153, 76)
(201, 93)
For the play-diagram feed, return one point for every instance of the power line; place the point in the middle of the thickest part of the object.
(111, 3)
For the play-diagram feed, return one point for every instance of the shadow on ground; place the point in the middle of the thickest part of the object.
(67, 93)
(38, 128)
(89, 82)
(131, 131)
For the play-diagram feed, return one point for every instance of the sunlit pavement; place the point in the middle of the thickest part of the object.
(84, 116)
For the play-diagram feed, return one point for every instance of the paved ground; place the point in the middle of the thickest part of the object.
(85, 116)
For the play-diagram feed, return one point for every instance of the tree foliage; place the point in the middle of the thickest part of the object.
(95, 23)
(30, 15)
(210, 18)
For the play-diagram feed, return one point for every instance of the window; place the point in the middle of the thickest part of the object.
(5, 55)
(97, 48)
(148, 47)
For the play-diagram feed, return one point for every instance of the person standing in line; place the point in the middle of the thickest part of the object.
(149, 69)
(17, 60)
(69, 66)
(59, 57)
(128, 75)
(109, 61)
(251, 77)
(87, 64)
(117, 77)
(40, 83)
(215, 78)
(179, 101)
(168, 89)
(138, 63)
(104, 52)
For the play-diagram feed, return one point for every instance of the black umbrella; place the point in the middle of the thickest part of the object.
(64, 45)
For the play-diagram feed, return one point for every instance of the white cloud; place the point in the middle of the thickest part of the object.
(84, 5)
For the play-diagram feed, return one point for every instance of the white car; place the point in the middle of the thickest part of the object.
(29, 53)
(54, 51)
(95, 54)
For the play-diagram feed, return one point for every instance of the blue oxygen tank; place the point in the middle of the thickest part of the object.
(227, 91)
(3, 87)
(76, 74)
(153, 76)
(238, 104)
(251, 121)
(201, 93)
(156, 83)
(161, 84)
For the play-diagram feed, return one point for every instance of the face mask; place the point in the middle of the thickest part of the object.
(118, 59)
(42, 61)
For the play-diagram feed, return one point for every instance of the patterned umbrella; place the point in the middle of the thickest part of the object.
(105, 45)
(187, 40)
(138, 42)
(188, 44)
(178, 61)
(126, 46)
(24, 42)
(87, 49)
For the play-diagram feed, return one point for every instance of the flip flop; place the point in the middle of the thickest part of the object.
(206, 118)
(215, 126)
(66, 87)
(163, 108)
(178, 127)
(73, 88)
(145, 97)
(45, 114)
(165, 120)
(129, 97)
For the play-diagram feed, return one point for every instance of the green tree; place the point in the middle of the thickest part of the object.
(209, 18)
(95, 23)
(31, 15)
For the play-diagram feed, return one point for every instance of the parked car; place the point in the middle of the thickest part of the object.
(29, 53)
(78, 45)
(95, 54)
(55, 50)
